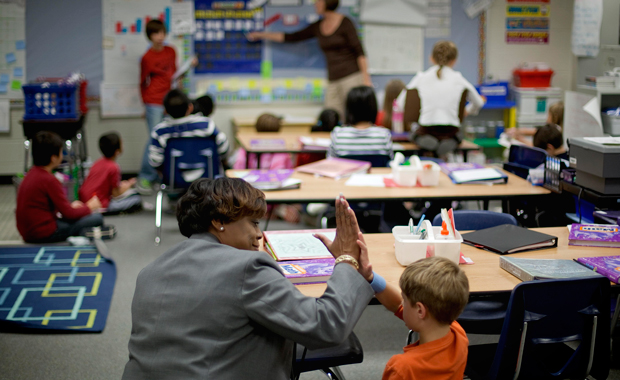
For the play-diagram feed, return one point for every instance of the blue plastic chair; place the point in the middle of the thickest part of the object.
(185, 160)
(484, 314)
(477, 219)
(554, 329)
(522, 158)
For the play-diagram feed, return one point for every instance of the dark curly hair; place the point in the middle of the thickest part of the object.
(223, 199)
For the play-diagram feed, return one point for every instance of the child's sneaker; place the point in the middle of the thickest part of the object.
(144, 186)
(103, 232)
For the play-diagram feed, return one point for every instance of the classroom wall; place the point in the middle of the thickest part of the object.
(502, 58)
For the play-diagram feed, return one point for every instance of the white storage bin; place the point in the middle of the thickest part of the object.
(611, 124)
(409, 248)
(429, 176)
(407, 175)
(536, 101)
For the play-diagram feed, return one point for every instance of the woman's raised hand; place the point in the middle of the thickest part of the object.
(345, 242)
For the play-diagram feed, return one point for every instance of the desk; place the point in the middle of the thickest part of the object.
(292, 144)
(485, 275)
(290, 124)
(322, 189)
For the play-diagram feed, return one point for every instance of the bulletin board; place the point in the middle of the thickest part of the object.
(12, 49)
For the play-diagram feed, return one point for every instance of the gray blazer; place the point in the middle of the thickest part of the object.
(205, 310)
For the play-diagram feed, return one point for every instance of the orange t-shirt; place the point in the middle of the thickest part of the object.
(444, 358)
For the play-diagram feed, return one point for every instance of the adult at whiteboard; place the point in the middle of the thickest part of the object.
(346, 62)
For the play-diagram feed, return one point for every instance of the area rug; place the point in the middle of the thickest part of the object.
(54, 289)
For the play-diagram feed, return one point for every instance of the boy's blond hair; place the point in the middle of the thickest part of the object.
(556, 111)
(439, 284)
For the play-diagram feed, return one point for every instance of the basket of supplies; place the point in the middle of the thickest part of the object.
(55, 98)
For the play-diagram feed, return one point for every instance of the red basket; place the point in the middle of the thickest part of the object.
(532, 78)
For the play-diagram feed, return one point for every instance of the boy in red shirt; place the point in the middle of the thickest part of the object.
(104, 179)
(41, 197)
(157, 67)
(434, 292)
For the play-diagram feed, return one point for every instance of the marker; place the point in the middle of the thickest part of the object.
(420, 223)
(411, 226)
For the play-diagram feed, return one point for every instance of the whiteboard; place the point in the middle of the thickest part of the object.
(394, 49)
(120, 100)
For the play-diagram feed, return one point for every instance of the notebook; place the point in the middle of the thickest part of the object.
(478, 176)
(335, 167)
(540, 269)
(507, 238)
(297, 244)
(307, 271)
(272, 179)
(449, 167)
(608, 266)
(594, 235)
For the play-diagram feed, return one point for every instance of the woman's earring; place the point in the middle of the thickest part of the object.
(221, 228)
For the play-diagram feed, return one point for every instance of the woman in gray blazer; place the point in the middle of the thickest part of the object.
(215, 307)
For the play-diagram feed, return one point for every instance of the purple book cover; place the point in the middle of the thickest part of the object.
(608, 266)
(267, 143)
(268, 176)
(449, 167)
(594, 235)
(307, 271)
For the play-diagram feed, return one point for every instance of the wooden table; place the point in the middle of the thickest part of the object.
(485, 275)
(322, 189)
(292, 144)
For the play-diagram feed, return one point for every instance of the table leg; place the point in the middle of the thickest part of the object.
(27, 154)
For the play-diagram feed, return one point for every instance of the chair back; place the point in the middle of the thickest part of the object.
(477, 219)
(555, 329)
(523, 158)
(376, 160)
(187, 159)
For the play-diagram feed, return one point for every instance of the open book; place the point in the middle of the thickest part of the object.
(297, 245)
(335, 167)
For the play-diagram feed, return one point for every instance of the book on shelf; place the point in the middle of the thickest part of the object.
(478, 176)
(507, 238)
(541, 269)
(315, 143)
(334, 167)
(608, 266)
(594, 235)
(267, 144)
(297, 244)
(307, 271)
(272, 179)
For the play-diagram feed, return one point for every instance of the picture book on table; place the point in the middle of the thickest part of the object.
(608, 266)
(335, 167)
(540, 269)
(267, 144)
(297, 244)
(272, 179)
(594, 235)
(307, 271)
(449, 167)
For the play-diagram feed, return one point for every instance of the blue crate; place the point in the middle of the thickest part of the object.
(495, 92)
(48, 101)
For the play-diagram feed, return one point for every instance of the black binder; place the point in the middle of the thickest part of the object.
(507, 238)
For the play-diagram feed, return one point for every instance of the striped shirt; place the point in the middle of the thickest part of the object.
(353, 141)
(188, 126)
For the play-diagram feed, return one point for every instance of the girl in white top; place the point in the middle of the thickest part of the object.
(440, 89)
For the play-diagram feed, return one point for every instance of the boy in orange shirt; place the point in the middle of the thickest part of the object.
(434, 292)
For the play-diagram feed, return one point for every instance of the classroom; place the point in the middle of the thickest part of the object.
(429, 189)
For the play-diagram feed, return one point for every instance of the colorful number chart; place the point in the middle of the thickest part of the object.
(220, 42)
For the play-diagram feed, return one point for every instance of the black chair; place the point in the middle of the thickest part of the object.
(327, 360)
(554, 329)
(185, 160)
(376, 160)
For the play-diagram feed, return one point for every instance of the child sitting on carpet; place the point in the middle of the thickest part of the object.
(104, 179)
(41, 198)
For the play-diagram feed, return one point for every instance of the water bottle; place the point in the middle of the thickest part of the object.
(397, 118)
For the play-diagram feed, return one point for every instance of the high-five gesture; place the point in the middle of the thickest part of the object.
(345, 242)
